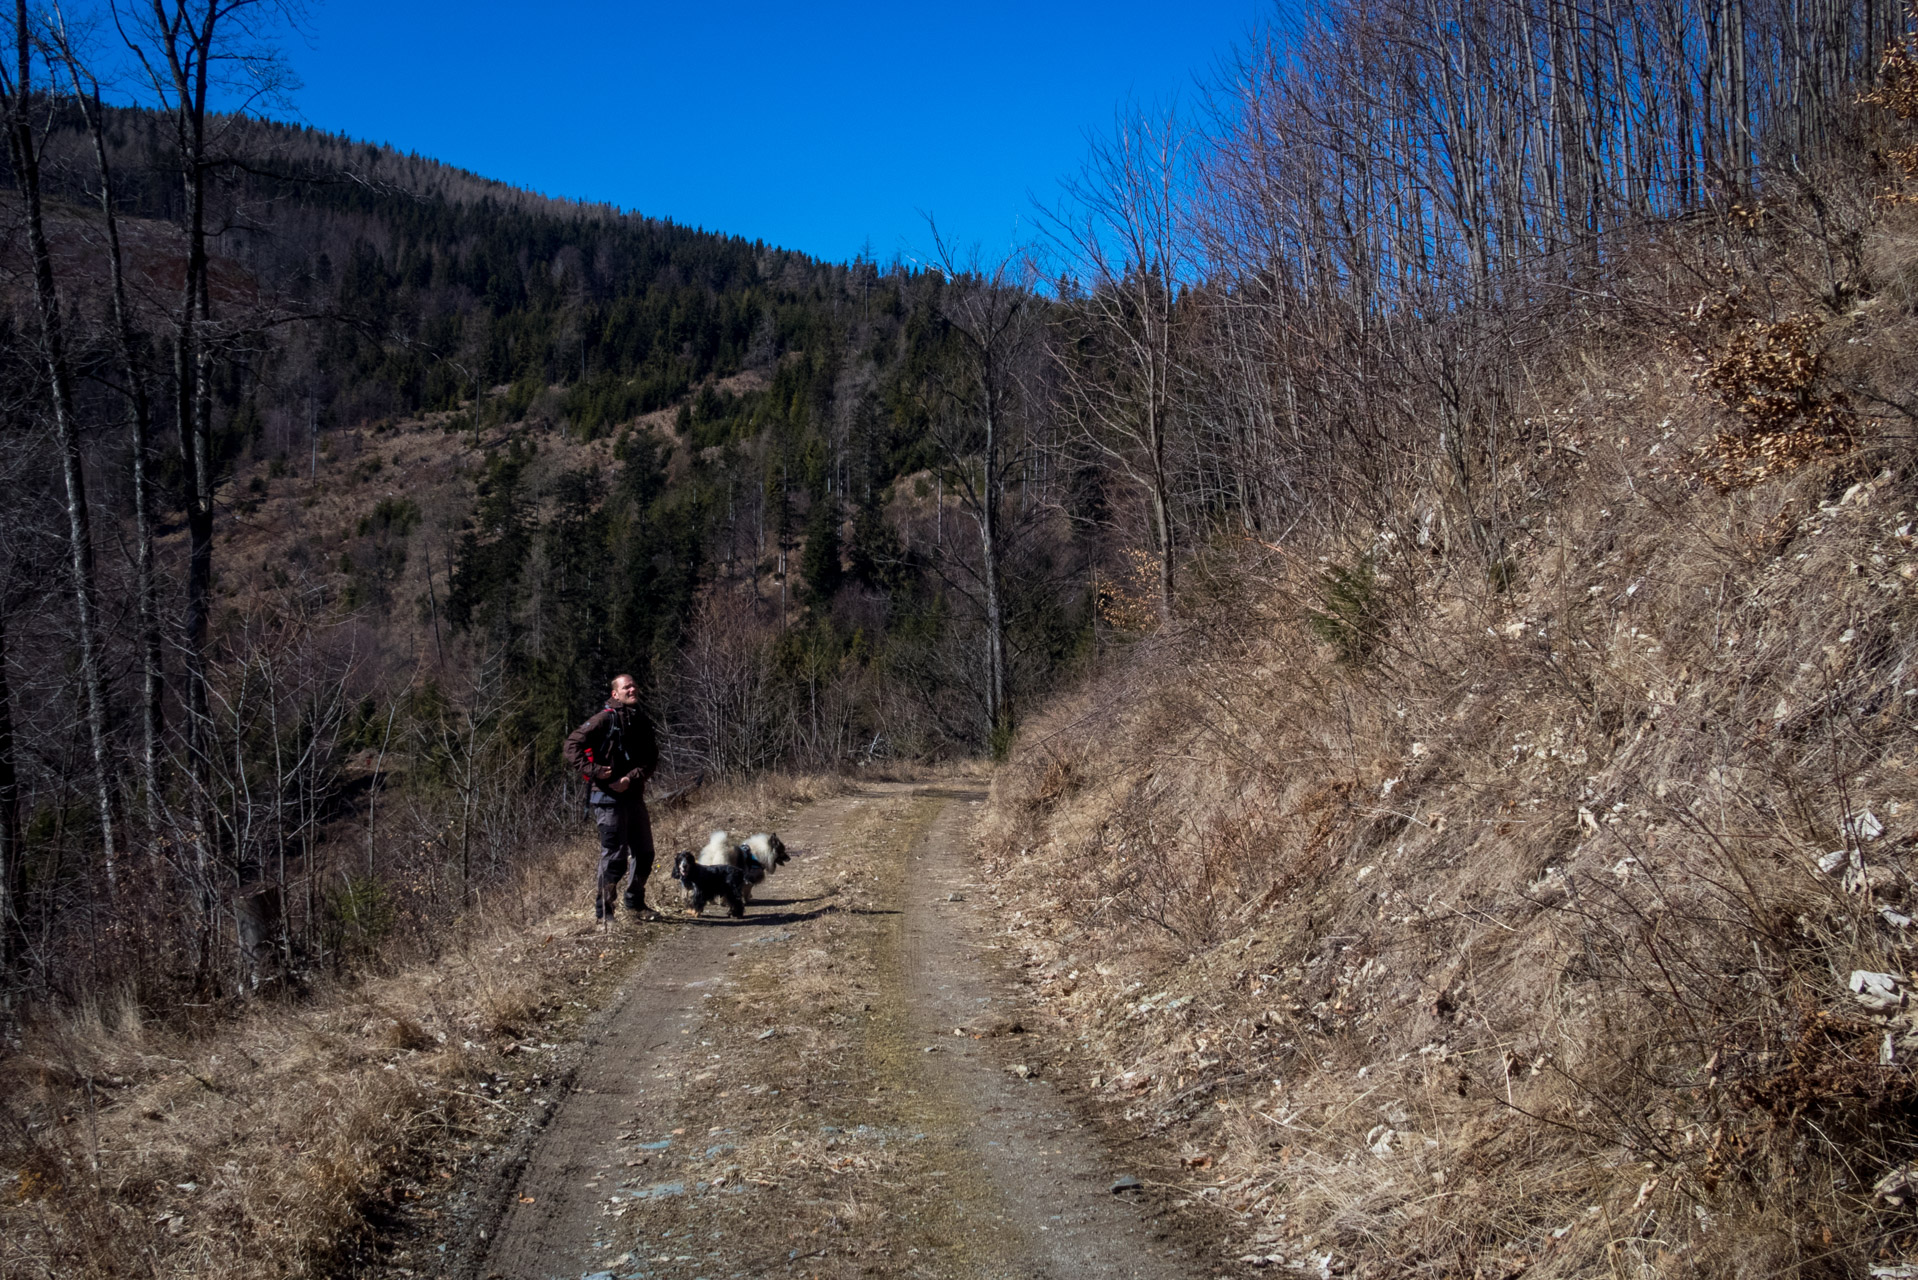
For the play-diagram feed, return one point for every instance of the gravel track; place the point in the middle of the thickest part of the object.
(833, 1086)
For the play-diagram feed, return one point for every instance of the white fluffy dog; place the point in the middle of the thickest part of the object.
(758, 857)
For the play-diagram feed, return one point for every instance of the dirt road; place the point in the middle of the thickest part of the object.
(833, 1086)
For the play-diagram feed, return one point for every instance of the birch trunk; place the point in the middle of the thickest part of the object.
(26, 167)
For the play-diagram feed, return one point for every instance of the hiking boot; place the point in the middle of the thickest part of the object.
(640, 910)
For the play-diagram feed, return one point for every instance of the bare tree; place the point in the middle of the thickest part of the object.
(279, 703)
(1119, 341)
(726, 688)
(992, 319)
(18, 100)
(466, 742)
(184, 49)
(86, 93)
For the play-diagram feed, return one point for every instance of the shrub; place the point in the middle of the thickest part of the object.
(1351, 614)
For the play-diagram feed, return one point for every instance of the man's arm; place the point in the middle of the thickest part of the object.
(583, 743)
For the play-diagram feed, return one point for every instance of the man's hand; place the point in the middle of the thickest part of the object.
(618, 785)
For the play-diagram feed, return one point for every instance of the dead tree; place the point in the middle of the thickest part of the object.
(86, 92)
(992, 320)
(184, 49)
(1119, 342)
(17, 102)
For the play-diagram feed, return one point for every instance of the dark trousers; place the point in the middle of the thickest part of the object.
(625, 835)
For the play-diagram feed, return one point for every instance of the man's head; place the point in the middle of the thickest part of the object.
(625, 692)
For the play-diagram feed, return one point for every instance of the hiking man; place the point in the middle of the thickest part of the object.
(616, 751)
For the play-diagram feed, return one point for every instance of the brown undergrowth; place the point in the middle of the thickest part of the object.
(274, 1139)
(1527, 937)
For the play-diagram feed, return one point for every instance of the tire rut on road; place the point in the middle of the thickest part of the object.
(1052, 1173)
(786, 1095)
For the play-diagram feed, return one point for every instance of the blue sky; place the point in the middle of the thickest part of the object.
(812, 127)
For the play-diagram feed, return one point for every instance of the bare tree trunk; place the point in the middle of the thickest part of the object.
(26, 167)
(993, 327)
(153, 681)
(13, 877)
(189, 368)
(1120, 362)
(998, 701)
(175, 59)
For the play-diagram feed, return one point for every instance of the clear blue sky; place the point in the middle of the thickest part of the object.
(815, 127)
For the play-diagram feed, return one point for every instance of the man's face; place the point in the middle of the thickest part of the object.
(625, 693)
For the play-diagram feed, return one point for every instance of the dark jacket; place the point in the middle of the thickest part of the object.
(616, 741)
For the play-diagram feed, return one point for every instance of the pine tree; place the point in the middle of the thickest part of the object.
(819, 562)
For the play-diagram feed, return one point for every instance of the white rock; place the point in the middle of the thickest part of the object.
(1895, 1186)
(1830, 862)
(1877, 991)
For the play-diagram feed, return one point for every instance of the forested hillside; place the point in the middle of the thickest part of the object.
(448, 457)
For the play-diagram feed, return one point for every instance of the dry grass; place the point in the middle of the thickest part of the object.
(268, 1143)
(1507, 950)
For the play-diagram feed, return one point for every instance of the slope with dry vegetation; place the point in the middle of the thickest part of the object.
(1549, 919)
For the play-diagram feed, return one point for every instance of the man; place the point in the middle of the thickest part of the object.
(616, 751)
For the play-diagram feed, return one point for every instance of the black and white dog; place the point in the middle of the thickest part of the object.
(760, 855)
(706, 884)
